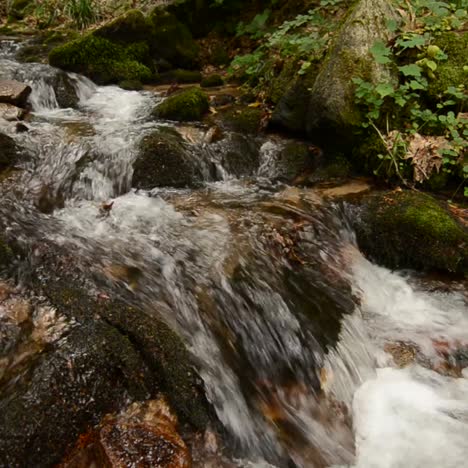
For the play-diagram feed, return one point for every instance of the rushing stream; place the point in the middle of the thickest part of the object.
(294, 332)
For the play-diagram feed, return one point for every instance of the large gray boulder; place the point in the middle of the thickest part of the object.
(332, 104)
(14, 92)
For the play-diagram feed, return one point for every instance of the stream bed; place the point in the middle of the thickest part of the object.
(309, 354)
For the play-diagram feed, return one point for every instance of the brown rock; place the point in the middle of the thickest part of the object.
(10, 112)
(14, 92)
(144, 436)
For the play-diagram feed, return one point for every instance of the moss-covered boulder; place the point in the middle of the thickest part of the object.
(450, 72)
(102, 60)
(165, 160)
(127, 29)
(332, 106)
(242, 120)
(412, 229)
(188, 105)
(172, 40)
(212, 81)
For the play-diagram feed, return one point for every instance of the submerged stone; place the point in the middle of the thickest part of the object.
(411, 229)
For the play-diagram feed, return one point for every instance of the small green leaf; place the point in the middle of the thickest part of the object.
(380, 52)
(410, 70)
(414, 84)
(384, 89)
(431, 65)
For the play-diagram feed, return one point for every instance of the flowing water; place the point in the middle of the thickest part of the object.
(297, 337)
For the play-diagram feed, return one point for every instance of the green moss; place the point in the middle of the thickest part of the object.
(172, 40)
(450, 72)
(246, 120)
(412, 229)
(126, 29)
(212, 81)
(190, 104)
(131, 85)
(179, 76)
(102, 60)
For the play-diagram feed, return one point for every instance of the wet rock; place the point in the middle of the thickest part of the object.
(239, 155)
(165, 160)
(332, 105)
(90, 372)
(348, 189)
(9, 152)
(412, 229)
(14, 92)
(187, 105)
(65, 92)
(144, 435)
(11, 113)
(21, 128)
(295, 159)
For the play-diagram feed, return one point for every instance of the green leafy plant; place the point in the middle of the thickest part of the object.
(83, 12)
(430, 134)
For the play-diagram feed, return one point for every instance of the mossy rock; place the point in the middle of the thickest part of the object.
(450, 72)
(188, 105)
(164, 160)
(172, 40)
(245, 120)
(294, 160)
(179, 76)
(131, 85)
(103, 61)
(127, 29)
(333, 110)
(212, 81)
(411, 229)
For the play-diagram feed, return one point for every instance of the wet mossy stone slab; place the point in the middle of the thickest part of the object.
(188, 105)
(406, 229)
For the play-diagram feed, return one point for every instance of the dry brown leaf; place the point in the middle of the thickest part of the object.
(425, 154)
